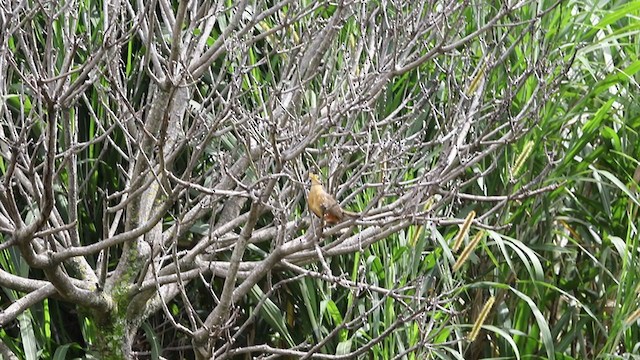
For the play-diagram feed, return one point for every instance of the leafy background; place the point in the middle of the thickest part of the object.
(559, 267)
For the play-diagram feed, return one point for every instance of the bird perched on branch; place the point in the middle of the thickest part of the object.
(324, 205)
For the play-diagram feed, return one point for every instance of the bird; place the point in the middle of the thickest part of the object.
(324, 205)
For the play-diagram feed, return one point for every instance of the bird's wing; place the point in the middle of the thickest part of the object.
(331, 206)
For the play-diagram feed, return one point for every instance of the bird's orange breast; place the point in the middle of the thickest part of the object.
(315, 200)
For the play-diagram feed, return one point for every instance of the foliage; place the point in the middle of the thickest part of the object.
(154, 160)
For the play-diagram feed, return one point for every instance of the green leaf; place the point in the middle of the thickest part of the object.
(154, 341)
(625, 11)
(344, 347)
(61, 351)
(29, 341)
(272, 314)
(619, 185)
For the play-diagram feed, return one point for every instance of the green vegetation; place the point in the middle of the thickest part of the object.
(153, 168)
